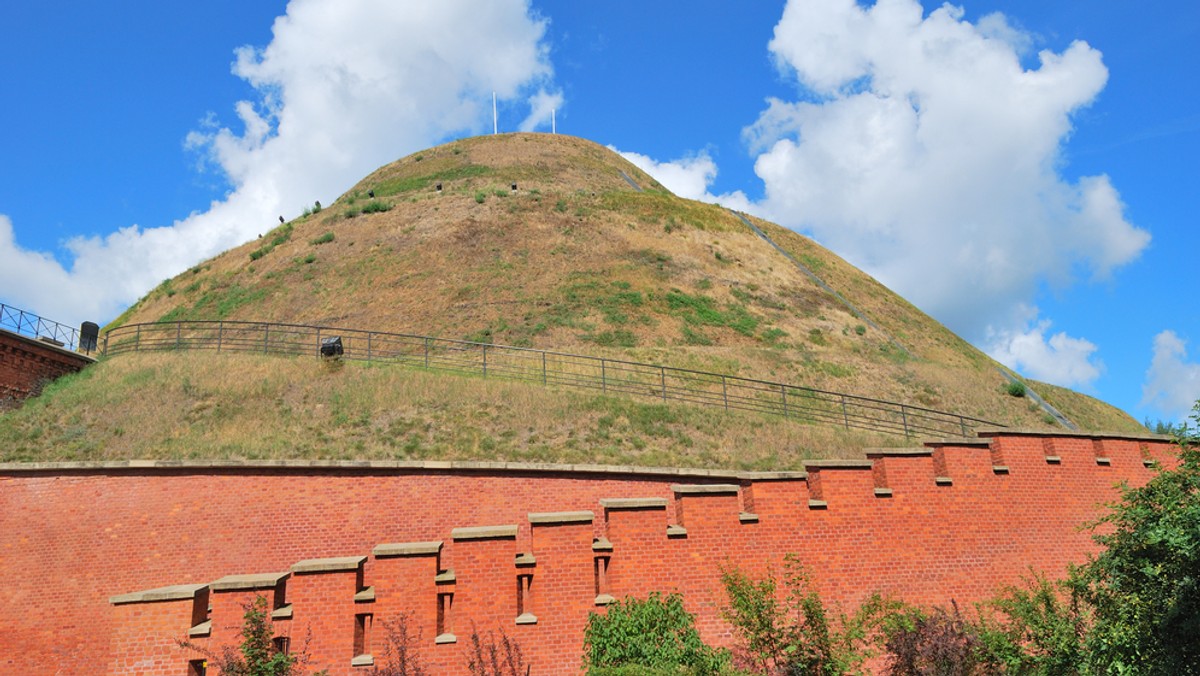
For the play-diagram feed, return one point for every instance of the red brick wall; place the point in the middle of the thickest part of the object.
(26, 364)
(71, 538)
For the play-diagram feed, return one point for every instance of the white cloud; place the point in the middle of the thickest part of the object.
(688, 177)
(541, 109)
(344, 87)
(1061, 360)
(924, 152)
(1172, 383)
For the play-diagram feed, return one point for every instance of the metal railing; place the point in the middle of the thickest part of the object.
(29, 324)
(664, 383)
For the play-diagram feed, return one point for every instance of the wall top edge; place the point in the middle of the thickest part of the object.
(838, 464)
(70, 354)
(330, 565)
(247, 582)
(200, 466)
(1021, 432)
(957, 441)
(176, 592)
(898, 452)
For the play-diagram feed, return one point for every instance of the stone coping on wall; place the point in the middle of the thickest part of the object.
(87, 359)
(837, 464)
(1028, 432)
(553, 518)
(898, 452)
(484, 532)
(248, 582)
(407, 549)
(369, 465)
(330, 565)
(176, 592)
(957, 441)
(705, 489)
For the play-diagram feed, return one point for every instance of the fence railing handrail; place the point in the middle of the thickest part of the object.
(35, 326)
(689, 385)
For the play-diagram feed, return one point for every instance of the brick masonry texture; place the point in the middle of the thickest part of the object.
(26, 364)
(72, 536)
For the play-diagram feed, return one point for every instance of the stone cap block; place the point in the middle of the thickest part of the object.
(332, 565)
(633, 503)
(406, 549)
(1025, 432)
(676, 531)
(837, 464)
(551, 518)
(898, 452)
(772, 476)
(484, 532)
(957, 441)
(602, 545)
(248, 582)
(177, 592)
(705, 489)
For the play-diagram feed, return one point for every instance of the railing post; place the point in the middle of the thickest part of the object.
(662, 378)
(266, 336)
(105, 352)
(962, 422)
(845, 413)
(485, 361)
(369, 334)
(220, 334)
(318, 340)
(725, 392)
(178, 331)
(783, 391)
(603, 376)
(426, 351)
(543, 367)
(137, 339)
(904, 418)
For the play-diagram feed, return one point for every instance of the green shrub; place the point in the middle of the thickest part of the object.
(1015, 389)
(1144, 587)
(375, 207)
(480, 196)
(257, 655)
(860, 329)
(655, 634)
(782, 626)
(323, 239)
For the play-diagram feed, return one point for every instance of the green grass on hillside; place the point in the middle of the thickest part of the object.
(222, 406)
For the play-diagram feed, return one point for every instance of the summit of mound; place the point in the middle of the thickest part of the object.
(555, 242)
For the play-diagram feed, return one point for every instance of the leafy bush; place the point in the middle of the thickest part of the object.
(1015, 389)
(941, 643)
(783, 627)
(480, 197)
(257, 655)
(323, 239)
(655, 633)
(1032, 630)
(1144, 587)
(375, 207)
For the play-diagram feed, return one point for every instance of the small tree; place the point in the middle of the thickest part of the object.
(257, 655)
(1144, 587)
(651, 634)
(784, 628)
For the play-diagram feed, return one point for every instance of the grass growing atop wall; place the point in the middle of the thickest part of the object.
(226, 406)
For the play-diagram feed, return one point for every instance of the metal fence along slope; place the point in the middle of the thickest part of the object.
(600, 374)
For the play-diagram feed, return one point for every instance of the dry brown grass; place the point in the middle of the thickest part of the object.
(559, 264)
(192, 405)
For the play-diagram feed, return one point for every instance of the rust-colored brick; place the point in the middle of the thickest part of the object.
(952, 520)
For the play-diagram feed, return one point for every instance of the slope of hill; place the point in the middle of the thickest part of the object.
(539, 240)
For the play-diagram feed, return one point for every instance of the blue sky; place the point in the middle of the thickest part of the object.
(1028, 178)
